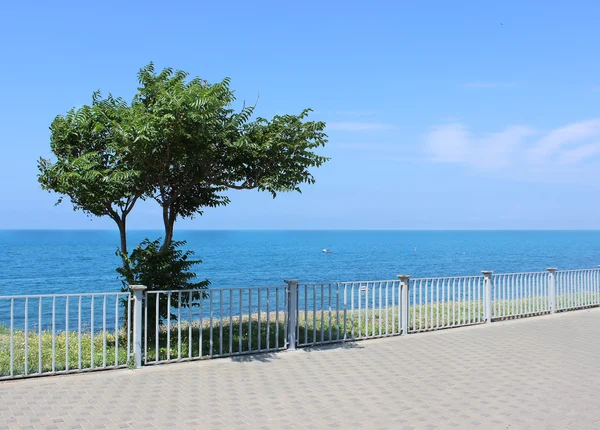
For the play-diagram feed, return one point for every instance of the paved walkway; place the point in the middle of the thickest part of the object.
(541, 372)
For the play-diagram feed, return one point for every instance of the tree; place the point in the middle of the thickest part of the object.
(193, 146)
(93, 165)
(181, 143)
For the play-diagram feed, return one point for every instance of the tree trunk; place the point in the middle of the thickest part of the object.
(169, 223)
(121, 223)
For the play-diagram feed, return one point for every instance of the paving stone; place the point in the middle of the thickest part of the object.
(539, 372)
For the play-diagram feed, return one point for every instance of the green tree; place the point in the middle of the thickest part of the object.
(93, 162)
(193, 146)
(181, 143)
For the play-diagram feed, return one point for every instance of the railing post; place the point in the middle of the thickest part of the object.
(138, 294)
(551, 289)
(404, 302)
(292, 312)
(487, 295)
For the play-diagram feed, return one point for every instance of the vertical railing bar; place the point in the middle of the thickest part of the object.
(128, 326)
(437, 304)
(26, 369)
(157, 321)
(386, 308)
(67, 333)
(40, 335)
(414, 304)
(220, 322)
(268, 318)
(201, 323)
(367, 307)
(104, 331)
(521, 295)
(12, 341)
(478, 297)
(250, 319)
(380, 308)
(53, 334)
(92, 358)
(431, 304)
(210, 324)
(393, 328)
(345, 311)
(179, 325)
(230, 321)
(444, 299)
(190, 319)
(359, 309)
(337, 309)
(277, 318)
(259, 304)
(146, 328)
(306, 314)
(461, 286)
(314, 313)
(426, 304)
(79, 334)
(330, 321)
(240, 340)
(470, 283)
(352, 312)
(169, 325)
(322, 313)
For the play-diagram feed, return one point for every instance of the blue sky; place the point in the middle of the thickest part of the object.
(441, 115)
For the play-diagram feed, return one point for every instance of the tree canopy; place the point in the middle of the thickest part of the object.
(181, 143)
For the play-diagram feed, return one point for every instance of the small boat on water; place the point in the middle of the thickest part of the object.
(327, 251)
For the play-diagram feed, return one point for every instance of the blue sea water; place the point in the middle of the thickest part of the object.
(70, 261)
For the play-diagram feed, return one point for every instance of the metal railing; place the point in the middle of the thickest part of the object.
(446, 302)
(339, 311)
(54, 334)
(191, 324)
(577, 289)
(67, 333)
(520, 294)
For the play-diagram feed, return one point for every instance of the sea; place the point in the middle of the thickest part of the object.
(83, 261)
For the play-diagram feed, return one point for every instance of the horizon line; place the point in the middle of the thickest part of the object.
(303, 229)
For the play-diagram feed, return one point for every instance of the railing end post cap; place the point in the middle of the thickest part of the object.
(551, 269)
(291, 281)
(486, 272)
(138, 287)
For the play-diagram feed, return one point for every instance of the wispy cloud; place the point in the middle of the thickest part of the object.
(571, 150)
(483, 85)
(356, 113)
(359, 126)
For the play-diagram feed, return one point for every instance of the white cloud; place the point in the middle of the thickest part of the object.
(570, 134)
(520, 151)
(359, 126)
(483, 85)
(356, 113)
(454, 143)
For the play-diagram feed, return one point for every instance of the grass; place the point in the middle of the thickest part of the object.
(241, 336)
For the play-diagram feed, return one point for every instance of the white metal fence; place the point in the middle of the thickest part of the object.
(54, 334)
(446, 302)
(520, 294)
(339, 311)
(192, 324)
(577, 289)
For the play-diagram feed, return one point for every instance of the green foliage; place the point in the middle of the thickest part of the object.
(192, 146)
(93, 161)
(162, 269)
(181, 143)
